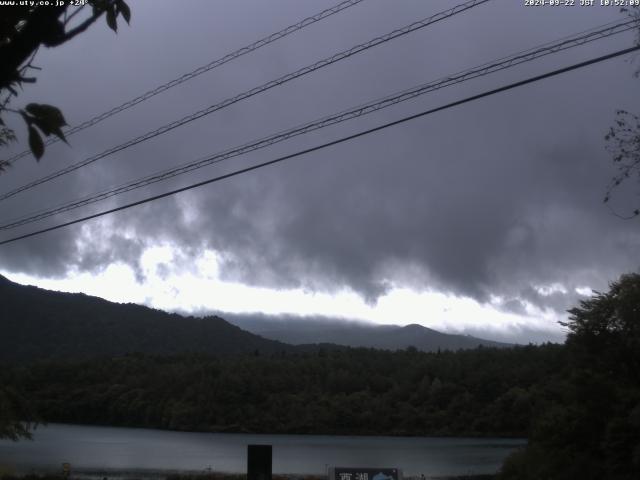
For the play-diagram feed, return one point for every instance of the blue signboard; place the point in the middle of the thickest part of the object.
(364, 473)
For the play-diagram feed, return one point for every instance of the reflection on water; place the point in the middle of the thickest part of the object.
(92, 448)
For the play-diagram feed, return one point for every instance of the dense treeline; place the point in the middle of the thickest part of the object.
(590, 429)
(349, 391)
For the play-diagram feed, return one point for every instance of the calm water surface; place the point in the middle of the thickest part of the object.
(108, 448)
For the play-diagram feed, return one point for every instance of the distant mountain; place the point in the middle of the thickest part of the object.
(356, 334)
(37, 323)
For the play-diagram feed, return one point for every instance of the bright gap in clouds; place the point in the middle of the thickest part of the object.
(170, 285)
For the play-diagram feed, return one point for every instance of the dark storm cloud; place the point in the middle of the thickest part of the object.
(103, 246)
(495, 198)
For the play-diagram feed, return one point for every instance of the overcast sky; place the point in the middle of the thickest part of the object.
(486, 218)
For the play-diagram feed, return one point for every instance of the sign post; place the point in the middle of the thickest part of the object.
(365, 473)
(259, 462)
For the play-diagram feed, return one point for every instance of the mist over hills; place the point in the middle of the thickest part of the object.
(41, 324)
(298, 331)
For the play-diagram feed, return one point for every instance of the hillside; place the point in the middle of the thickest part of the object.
(37, 323)
(357, 334)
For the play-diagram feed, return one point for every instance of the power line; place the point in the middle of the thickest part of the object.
(254, 91)
(506, 62)
(200, 70)
(334, 142)
(575, 40)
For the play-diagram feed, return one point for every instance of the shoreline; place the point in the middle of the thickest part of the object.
(437, 457)
(223, 431)
(159, 474)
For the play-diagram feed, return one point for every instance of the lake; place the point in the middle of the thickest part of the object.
(89, 448)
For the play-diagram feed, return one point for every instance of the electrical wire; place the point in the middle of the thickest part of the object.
(565, 43)
(254, 91)
(199, 71)
(334, 142)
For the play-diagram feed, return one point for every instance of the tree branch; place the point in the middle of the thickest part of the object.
(77, 11)
(13, 54)
(77, 30)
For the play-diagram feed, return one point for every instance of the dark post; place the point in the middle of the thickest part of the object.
(259, 462)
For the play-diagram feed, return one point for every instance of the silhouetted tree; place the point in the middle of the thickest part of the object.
(16, 415)
(623, 141)
(590, 426)
(23, 30)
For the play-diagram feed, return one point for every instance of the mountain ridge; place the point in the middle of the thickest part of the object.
(42, 324)
(296, 331)
(36, 323)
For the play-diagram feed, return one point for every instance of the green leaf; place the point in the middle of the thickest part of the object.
(49, 113)
(35, 143)
(43, 126)
(111, 19)
(98, 6)
(47, 118)
(60, 134)
(124, 9)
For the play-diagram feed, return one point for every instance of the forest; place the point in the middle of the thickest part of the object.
(349, 391)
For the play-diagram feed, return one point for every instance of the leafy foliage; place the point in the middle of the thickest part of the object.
(591, 429)
(48, 120)
(11, 424)
(6, 137)
(16, 413)
(23, 30)
(623, 138)
(623, 142)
